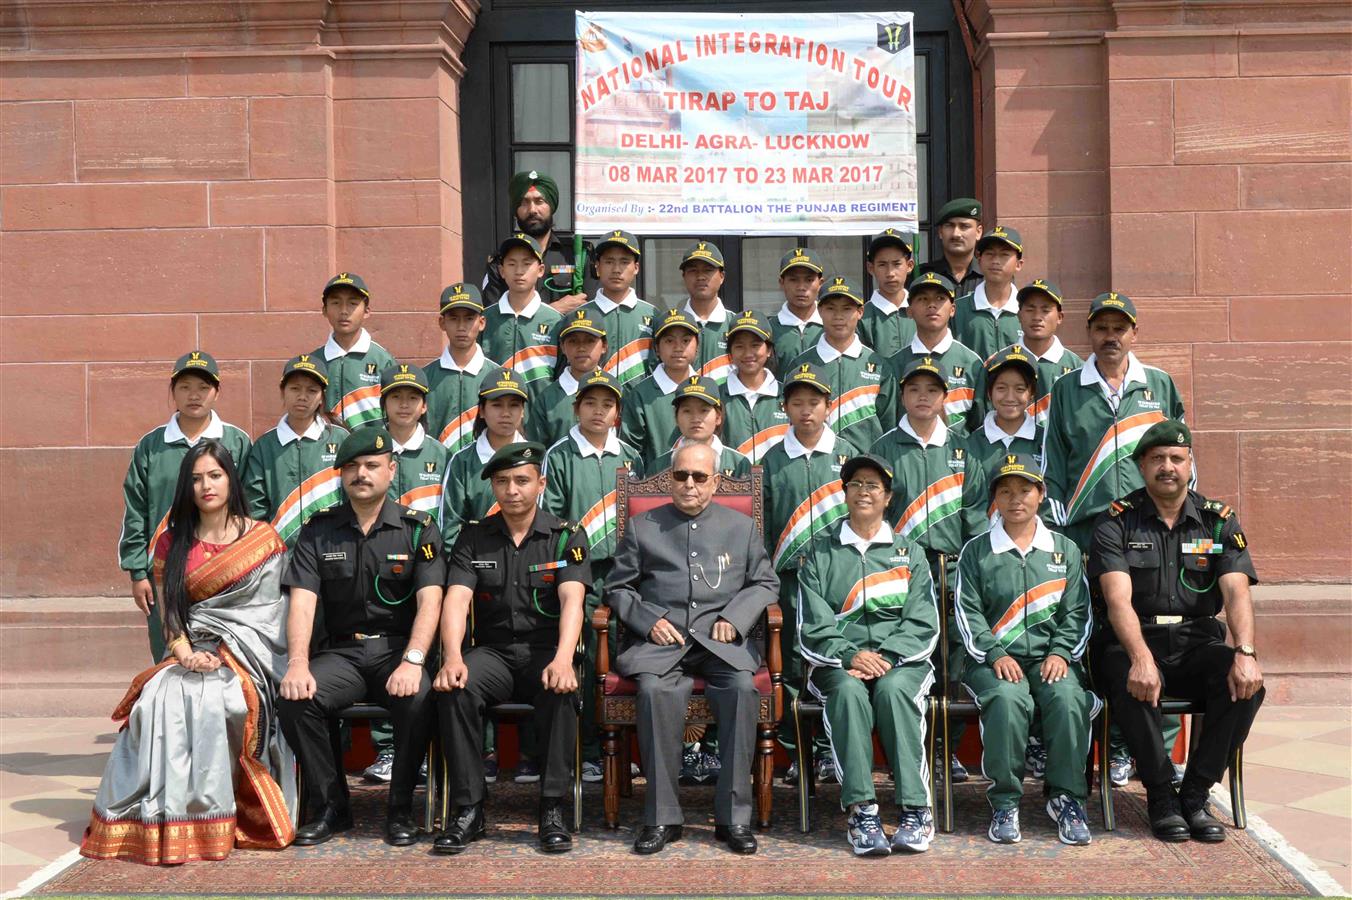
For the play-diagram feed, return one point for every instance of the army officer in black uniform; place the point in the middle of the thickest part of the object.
(1168, 560)
(377, 569)
(526, 573)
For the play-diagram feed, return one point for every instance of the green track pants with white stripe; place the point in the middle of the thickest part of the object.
(1007, 707)
(896, 705)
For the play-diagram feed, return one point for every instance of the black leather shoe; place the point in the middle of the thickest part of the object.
(652, 838)
(400, 829)
(329, 822)
(466, 827)
(554, 836)
(739, 838)
(1202, 825)
(1166, 817)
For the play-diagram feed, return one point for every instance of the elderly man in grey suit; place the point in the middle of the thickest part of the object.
(690, 580)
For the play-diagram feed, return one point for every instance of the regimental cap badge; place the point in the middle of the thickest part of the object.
(380, 442)
(1011, 459)
(532, 175)
(528, 453)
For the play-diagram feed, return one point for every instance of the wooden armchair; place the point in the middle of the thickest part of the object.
(616, 700)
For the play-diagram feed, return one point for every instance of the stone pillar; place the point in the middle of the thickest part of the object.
(1196, 155)
(188, 174)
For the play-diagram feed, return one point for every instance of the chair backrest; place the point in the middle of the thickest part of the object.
(635, 496)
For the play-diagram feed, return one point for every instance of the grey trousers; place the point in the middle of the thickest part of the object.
(662, 701)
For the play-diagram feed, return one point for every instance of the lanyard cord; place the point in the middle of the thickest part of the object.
(1216, 537)
(380, 595)
(535, 592)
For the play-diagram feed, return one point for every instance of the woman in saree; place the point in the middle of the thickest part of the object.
(200, 766)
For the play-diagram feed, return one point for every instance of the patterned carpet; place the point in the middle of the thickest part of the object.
(1125, 862)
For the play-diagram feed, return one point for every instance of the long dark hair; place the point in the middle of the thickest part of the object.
(182, 528)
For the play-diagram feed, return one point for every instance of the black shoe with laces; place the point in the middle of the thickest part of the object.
(554, 836)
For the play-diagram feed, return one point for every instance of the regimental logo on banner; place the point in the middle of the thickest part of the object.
(894, 38)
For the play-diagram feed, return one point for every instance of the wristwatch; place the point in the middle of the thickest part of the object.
(415, 656)
(1247, 650)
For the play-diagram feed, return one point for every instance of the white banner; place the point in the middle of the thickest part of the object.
(757, 124)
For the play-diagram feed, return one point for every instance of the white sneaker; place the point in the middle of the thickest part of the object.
(864, 831)
(1072, 823)
(379, 771)
(915, 830)
(592, 771)
(1004, 827)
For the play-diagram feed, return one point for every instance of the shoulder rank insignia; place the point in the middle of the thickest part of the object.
(1117, 507)
(1218, 508)
(324, 512)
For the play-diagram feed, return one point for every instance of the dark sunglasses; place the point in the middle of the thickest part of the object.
(683, 475)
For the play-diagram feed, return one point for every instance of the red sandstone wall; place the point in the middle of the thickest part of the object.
(1197, 157)
(154, 199)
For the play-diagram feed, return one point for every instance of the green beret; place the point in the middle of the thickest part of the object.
(700, 387)
(524, 181)
(867, 461)
(403, 375)
(521, 453)
(368, 441)
(307, 364)
(197, 362)
(346, 279)
(1001, 235)
(1169, 433)
(959, 208)
(807, 375)
(1019, 465)
(1112, 301)
(840, 286)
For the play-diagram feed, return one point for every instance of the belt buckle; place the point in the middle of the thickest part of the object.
(1168, 620)
(363, 637)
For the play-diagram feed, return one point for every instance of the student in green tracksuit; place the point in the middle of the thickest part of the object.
(519, 330)
(465, 496)
(699, 420)
(580, 471)
(938, 499)
(647, 418)
(797, 326)
(583, 342)
(1040, 317)
(422, 461)
(931, 304)
(1023, 613)
(289, 474)
(702, 272)
(753, 419)
(354, 360)
(988, 318)
(864, 398)
(1096, 417)
(152, 476)
(887, 326)
(867, 626)
(627, 321)
(453, 380)
(1007, 427)
(802, 499)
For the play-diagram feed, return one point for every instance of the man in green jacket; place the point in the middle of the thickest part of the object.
(867, 624)
(148, 490)
(1023, 613)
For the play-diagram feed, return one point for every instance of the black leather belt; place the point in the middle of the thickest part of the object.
(1169, 620)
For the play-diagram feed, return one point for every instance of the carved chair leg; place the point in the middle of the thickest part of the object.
(611, 775)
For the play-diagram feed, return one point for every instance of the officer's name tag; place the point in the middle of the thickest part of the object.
(483, 564)
(1140, 545)
(337, 556)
